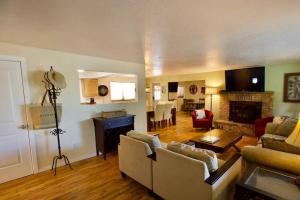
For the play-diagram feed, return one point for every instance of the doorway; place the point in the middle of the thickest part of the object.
(156, 93)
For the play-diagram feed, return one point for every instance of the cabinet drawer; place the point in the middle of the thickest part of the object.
(118, 122)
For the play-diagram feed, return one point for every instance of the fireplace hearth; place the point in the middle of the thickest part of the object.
(245, 111)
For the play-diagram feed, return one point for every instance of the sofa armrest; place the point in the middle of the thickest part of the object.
(193, 113)
(215, 176)
(263, 121)
(133, 160)
(271, 158)
(209, 115)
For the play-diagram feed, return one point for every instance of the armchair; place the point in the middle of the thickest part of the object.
(260, 125)
(205, 122)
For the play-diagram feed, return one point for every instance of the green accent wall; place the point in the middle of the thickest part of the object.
(274, 81)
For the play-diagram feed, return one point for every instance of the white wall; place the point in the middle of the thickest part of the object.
(79, 141)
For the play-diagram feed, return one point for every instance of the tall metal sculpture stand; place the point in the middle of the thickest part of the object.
(52, 94)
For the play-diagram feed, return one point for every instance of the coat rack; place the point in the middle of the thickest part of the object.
(54, 83)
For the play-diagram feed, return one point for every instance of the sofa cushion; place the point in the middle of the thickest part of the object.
(207, 156)
(152, 141)
(200, 114)
(277, 142)
(285, 128)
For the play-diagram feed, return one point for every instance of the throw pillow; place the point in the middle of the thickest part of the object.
(279, 119)
(200, 114)
(152, 141)
(207, 156)
(286, 127)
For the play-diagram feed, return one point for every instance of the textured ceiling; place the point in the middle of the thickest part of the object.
(169, 36)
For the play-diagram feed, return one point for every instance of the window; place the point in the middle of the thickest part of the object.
(157, 92)
(129, 91)
(180, 92)
(116, 91)
(122, 91)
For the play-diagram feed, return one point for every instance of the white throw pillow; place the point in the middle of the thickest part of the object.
(200, 114)
(207, 156)
(152, 141)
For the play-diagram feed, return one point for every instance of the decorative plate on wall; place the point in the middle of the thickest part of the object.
(193, 89)
(102, 90)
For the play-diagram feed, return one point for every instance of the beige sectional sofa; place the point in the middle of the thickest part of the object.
(276, 134)
(279, 160)
(134, 160)
(273, 151)
(174, 176)
(178, 177)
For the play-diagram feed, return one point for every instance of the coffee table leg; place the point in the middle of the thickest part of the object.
(236, 148)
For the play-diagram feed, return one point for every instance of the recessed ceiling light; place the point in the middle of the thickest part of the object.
(80, 70)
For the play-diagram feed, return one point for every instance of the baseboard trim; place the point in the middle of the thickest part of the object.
(61, 163)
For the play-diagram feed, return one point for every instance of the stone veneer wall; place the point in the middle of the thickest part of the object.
(265, 97)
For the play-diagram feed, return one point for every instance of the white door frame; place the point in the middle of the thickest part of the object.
(24, 73)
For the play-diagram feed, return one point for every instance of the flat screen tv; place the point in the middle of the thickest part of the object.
(247, 79)
(172, 86)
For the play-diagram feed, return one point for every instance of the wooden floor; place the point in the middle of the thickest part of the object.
(95, 178)
(183, 131)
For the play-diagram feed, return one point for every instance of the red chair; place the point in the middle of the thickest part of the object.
(205, 122)
(260, 125)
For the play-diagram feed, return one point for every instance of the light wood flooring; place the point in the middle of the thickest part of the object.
(95, 178)
(183, 131)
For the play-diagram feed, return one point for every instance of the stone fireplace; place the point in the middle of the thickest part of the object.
(238, 110)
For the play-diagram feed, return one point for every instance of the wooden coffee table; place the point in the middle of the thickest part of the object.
(226, 140)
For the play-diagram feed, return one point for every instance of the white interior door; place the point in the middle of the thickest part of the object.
(15, 154)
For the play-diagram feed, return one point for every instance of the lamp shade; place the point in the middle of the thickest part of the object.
(211, 90)
(294, 137)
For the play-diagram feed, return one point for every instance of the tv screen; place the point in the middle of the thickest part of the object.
(247, 79)
(172, 86)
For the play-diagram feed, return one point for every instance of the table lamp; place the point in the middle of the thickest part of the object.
(294, 139)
